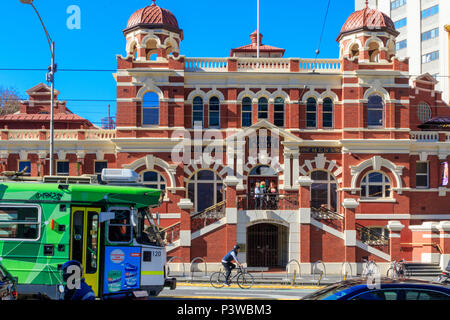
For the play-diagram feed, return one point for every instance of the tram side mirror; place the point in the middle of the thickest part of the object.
(106, 216)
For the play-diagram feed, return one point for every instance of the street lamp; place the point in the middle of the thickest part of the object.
(51, 79)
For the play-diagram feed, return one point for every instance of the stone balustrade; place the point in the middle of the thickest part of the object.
(62, 135)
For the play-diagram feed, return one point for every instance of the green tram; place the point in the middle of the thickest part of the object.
(107, 227)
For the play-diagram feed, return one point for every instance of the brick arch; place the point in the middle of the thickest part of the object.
(222, 170)
(377, 162)
(149, 162)
(320, 162)
(248, 167)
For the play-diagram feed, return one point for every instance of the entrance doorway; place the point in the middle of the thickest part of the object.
(267, 245)
(85, 243)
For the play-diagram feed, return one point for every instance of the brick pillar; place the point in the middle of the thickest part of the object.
(231, 214)
(185, 206)
(304, 204)
(444, 237)
(350, 229)
(395, 227)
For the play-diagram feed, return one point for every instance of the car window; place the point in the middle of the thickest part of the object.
(425, 295)
(377, 295)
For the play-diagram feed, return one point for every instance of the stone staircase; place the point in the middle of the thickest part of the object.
(418, 269)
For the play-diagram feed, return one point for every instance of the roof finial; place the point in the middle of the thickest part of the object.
(367, 3)
(154, 4)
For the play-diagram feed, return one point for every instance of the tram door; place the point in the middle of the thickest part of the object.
(85, 243)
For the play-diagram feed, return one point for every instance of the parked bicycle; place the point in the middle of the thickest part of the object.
(243, 279)
(398, 270)
(370, 269)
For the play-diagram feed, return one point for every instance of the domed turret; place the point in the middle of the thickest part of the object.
(368, 35)
(153, 32)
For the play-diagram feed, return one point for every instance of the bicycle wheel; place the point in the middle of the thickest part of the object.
(390, 273)
(217, 279)
(245, 280)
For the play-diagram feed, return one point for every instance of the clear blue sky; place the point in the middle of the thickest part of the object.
(211, 29)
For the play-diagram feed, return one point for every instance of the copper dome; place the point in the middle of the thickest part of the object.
(369, 20)
(153, 16)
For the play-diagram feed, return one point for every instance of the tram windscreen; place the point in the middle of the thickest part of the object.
(146, 230)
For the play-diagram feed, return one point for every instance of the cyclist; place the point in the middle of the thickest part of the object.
(228, 265)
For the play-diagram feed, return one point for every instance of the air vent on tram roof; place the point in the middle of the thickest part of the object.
(119, 175)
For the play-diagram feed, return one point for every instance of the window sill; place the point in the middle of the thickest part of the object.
(378, 200)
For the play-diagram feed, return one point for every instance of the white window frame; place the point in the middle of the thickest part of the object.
(160, 179)
(332, 113)
(330, 181)
(247, 112)
(203, 111)
(279, 112)
(315, 113)
(427, 174)
(383, 184)
(209, 113)
(142, 111)
(383, 113)
(38, 223)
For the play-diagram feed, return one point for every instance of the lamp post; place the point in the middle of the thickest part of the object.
(51, 79)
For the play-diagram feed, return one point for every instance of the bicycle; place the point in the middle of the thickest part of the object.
(398, 270)
(244, 280)
(370, 269)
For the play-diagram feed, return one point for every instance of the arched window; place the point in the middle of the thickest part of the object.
(424, 112)
(214, 112)
(375, 185)
(375, 111)
(247, 112)
(374, 52)
(278, 112)
(327, 113)
(150, 109)
(205, 189)
(311, 113)
(197, 111)
(154, 180)
(354, 51)
(323, 191)
(263, 108)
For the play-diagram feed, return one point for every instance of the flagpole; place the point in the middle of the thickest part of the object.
(257, 30)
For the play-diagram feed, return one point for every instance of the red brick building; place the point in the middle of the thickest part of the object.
(339, 139)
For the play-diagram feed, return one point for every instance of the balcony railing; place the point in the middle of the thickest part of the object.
(425, 136)
(269, 201)
(247, 64)
(65, 135)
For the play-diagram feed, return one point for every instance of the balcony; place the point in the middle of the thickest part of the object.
(233, 64)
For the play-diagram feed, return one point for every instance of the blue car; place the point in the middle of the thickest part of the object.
(385, 289)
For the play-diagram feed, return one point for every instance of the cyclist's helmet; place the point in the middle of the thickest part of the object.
(65, 268)
(236, 247)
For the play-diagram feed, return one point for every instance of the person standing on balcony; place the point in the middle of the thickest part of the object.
(258, 196)
(273, 195)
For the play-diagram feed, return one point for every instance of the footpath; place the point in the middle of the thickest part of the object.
(272, 279)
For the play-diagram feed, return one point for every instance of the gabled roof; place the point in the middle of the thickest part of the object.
(253, 47)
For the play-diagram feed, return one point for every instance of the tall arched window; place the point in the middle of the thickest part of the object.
(375, 185)
(374, 52)
(375, 111)
(150, 109)
(327, 113)
(154, 180)
(323, 190)
(247, 112)
(197, 111)
(354, 51)
(278, 112)
(214, 112)
(263, 108)
(311, 113)
(205, 189)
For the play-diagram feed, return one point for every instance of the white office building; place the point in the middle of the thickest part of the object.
(422, 36)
